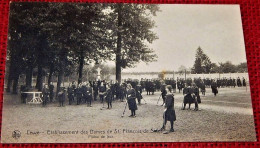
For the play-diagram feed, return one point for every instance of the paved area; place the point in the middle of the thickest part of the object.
(226, 117)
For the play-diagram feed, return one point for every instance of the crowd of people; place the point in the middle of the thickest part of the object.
(87, 92)
(131, 91)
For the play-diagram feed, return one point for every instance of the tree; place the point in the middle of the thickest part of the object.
(52, 35)
(77, 33)
(56, 37)
(198, 66)
(207, 65)
(242, 67)
(131, 33)
(22, 41)
(182, 70)
(202, 62)
(214, 68)
(227, 67)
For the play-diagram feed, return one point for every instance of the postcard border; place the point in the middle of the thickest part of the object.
(250, 18)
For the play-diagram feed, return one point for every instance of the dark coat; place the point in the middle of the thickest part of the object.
(244, 82)
(179, 85)
(74, 87)
(187, 91)
(121, 91)
(203, 87)
(70, 92)
(214, 88)
(89, 93)
(84, 90)
(197, 93)
(79, 92)
(138, 92)
(109, 96)
(45, 93)
(61, 96)
(131, 96)
(51, 88)
(102, 90)
(95, 89)
(169, 114)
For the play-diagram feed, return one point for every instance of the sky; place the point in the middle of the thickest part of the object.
(181, 29)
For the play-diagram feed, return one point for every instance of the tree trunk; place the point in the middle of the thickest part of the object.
(60, 74)
(81, 64)
(119, 45)
(16, 73)
(29, 71)
(9, 83)
(10, 76)
(50, 74)
(15, 84)
(39, 81)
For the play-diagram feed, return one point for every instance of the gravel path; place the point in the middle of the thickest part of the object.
(226, 117)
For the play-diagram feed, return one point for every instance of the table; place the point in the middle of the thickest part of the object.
(36, 99)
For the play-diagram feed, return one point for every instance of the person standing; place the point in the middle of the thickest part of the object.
(214, 87)
(169, 112)
(95, 89)
(74, 87)
(244, 81)
(187, 91)
(102, 91)
(139, 93)
(89, 94)
(51, 88)
(79, 94)
(239, 84)
(179, 86)
(131, 100)
(112, 87)
(109, 97)
(203, 88)
(84, 92)
(70, 94)
(45, 95)
(61, 97)
(196, 96)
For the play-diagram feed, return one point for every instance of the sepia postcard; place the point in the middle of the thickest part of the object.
(115, 72)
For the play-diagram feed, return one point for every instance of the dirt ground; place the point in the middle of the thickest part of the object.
(226, 117)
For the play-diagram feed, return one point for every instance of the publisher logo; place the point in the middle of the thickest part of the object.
(16, 134)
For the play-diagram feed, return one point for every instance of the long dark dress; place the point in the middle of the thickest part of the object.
(131, 99)
(169, 114)
(187, 91)
(214, 88)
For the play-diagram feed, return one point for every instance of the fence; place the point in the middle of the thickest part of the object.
(177, 75)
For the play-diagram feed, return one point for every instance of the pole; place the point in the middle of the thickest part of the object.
(124, 110)
(144, 101)
(159, 99)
